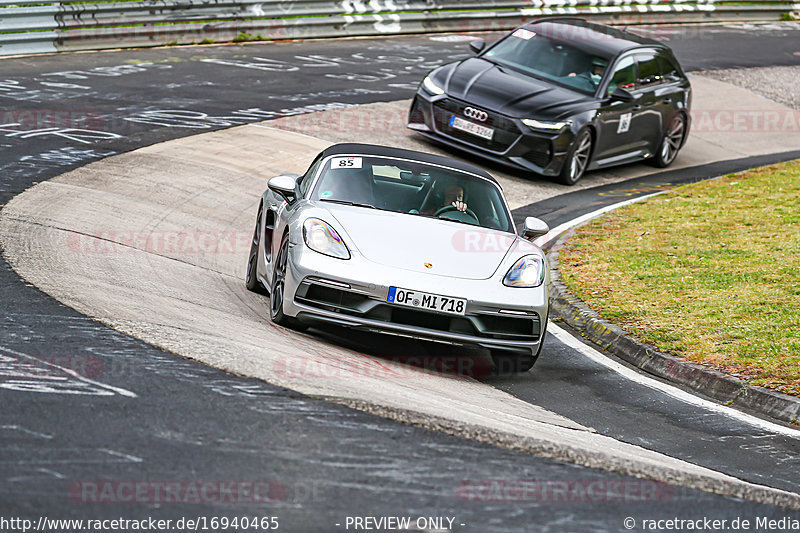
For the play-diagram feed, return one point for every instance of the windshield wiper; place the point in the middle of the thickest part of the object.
(347, 202)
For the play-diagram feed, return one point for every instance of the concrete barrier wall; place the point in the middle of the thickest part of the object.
(37, 26)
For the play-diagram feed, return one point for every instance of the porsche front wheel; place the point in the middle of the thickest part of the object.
(504, 362)
(277, 289)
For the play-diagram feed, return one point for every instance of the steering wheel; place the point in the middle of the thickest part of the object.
(448, 208)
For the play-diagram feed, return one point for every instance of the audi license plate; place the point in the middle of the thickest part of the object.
(470, 127)
(424, 300)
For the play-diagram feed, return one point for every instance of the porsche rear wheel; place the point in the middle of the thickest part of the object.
(277, 288)
(577, 158)
(251, 280)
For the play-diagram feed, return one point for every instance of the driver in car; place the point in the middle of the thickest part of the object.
(590, 79)
(454, 195)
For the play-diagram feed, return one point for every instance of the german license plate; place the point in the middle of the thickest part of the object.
(470, 127)
(427, 301)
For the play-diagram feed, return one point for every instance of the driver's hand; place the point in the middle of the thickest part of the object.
(461, 206)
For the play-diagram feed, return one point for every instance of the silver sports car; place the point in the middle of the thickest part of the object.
(401, 242)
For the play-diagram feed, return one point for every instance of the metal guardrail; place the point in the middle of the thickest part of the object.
(37, 26)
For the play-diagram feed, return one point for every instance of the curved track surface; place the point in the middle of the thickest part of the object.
(35, 323)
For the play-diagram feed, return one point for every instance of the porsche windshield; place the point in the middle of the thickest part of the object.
(412, 188)
(547, 58)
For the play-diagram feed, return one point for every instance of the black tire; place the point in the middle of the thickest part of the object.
(578, 157)
(504, 362)
(277, 287)
(251, 279)
(671, 143)
(509, 362)
(542, 336)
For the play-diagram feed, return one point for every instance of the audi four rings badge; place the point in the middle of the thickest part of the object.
(477, 114)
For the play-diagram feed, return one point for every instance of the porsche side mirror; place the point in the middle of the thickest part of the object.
(622, 95)
(477, 45)
(284, 185)
(534, 227)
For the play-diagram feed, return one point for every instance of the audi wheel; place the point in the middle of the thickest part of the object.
(577, 159)
(671, 143)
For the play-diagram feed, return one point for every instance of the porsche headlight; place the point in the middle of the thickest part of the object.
(546, 126)
(431, 87)
(322, 238)
(527, 272)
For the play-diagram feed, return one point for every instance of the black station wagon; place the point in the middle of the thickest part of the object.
(559, 97)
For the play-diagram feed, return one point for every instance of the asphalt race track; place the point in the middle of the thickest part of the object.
(85, 406)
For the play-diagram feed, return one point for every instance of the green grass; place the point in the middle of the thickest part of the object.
(246, 38)
(709, 272)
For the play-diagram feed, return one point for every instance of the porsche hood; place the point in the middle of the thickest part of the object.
(424, 244)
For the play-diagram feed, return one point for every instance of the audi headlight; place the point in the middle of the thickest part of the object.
(322, 238)
(527, 272)
(546, 126)
(431, 87)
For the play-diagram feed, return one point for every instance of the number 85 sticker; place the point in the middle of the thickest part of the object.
(346, 162)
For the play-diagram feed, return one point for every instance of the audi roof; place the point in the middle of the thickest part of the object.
(596, 38)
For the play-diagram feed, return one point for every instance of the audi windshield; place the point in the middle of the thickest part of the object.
(550, 59)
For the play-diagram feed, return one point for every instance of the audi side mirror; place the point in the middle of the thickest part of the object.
(622, 95)
(477, 45)
(534, 227)
(284, 185)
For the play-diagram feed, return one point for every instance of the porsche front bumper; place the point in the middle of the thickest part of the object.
(353, 293)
